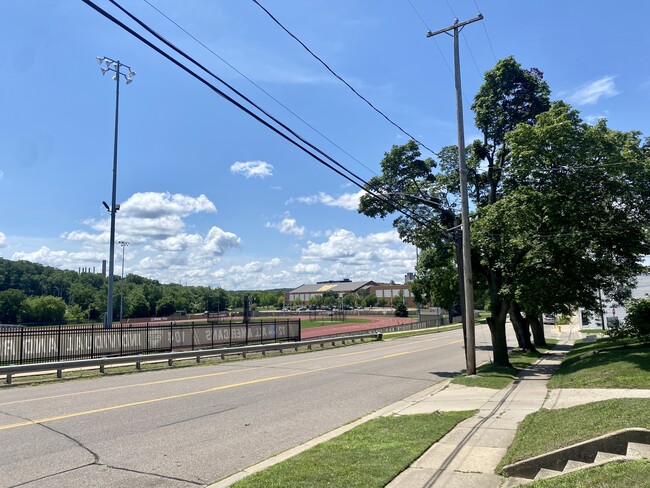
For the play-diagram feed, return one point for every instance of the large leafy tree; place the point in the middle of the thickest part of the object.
(561, 207)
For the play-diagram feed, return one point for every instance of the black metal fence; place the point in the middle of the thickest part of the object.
(20, 345)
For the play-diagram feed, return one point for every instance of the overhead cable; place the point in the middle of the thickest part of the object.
(336, 75)
(242, 107)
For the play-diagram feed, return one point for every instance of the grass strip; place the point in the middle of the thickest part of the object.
(368, 456)
(496, 377)
(547, 430)
(605, 363)
(325, 321)
(630, 474)
(417, 332)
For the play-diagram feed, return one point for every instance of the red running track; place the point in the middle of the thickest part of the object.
(375, 322)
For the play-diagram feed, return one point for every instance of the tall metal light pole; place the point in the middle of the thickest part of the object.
(123, 244)
(116, 67)
(470, 350)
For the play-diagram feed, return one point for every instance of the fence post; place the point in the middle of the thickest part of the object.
(121, 343)
(171, 336)
(212, 325)
(192, 335)
(22, 339)
(299, 330)
(58, 344)
(92, 341)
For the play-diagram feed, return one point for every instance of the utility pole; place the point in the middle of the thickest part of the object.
(470, 349)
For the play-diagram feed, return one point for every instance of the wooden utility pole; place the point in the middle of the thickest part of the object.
(470, 350)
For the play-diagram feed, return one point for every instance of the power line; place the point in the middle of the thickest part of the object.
(239, 105)
(336, 75)
(487, 35)
(259, 87)
(418, 14)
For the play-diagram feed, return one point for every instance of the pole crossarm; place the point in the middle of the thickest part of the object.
(456, 25)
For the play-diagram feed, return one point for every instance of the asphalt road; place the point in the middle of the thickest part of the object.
(193, 426)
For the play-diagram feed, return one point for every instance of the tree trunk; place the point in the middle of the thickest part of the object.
(521, 326)
(538, 331)
(497, 324)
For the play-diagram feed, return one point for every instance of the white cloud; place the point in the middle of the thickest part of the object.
(592, 92)
(379, 257)
(348, 201)
(287, 226)
(249, 169)
(150, 205)
(592, 119)
(146, 217)
(3, 240)
(62, 259)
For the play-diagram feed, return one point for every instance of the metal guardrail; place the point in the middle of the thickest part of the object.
(170, 357)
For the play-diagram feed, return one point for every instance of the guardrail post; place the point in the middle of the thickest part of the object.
(59, 373)
(8, 378)
(170, 362)
(138, 366)
(101, 368)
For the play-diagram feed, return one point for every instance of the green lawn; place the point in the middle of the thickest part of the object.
(546, 430)
(368, 456)
(497, 377)
(307, 324)
(605, 363)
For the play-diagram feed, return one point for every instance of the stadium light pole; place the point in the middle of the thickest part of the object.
(123, 244)
(116, 67)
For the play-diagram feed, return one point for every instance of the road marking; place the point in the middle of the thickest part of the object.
(216, 388)
(195, 377)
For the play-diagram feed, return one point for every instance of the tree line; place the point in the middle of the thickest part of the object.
(33, 293)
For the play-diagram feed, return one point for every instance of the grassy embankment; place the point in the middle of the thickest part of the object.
(605, 363)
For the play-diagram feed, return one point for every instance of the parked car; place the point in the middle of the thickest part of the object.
(548, 319)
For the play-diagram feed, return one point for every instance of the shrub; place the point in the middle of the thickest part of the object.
(636, 323)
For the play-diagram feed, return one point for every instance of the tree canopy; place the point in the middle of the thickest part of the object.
(561, 208)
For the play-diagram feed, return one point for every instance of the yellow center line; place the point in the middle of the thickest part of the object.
(216, 388)
(194, 377)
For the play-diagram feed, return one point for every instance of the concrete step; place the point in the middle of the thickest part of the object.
(605, 457)
(636, 450)
(572, 465)
(622, 445)
(544, 473)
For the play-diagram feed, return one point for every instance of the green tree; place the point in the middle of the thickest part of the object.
(370, 300)
(11, 304)
(44, 309)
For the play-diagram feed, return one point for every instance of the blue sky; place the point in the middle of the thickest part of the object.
(209, 196)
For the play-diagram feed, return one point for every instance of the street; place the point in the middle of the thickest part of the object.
(192, 426)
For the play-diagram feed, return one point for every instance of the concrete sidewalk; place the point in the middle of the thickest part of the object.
(469, 453)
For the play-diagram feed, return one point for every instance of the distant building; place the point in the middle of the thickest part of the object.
(389, 292)
(342, 288)
(346, 287)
